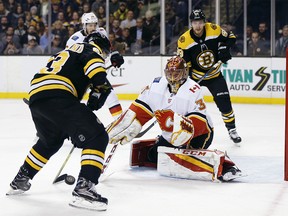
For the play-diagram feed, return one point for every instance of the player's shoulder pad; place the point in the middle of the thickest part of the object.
(75, 37)
(157, 80)
(212, 29)
(185, 40)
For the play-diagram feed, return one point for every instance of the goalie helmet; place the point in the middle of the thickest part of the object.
(101, 41)
(89, 18)
(176, 72)
(197, 14)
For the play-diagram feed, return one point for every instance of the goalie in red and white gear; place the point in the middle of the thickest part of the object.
(177, 103)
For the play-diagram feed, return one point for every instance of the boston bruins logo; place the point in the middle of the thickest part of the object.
(206, 59)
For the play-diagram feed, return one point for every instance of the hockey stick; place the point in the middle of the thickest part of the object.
(146, 130)
(65, 177)
(217, 64)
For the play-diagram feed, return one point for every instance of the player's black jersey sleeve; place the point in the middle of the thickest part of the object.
(69, 73)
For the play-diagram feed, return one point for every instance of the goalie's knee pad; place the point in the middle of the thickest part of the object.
(139, 153)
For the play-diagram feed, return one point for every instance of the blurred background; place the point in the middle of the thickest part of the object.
(42, 27)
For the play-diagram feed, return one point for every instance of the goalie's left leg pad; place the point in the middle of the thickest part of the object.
(139, 153)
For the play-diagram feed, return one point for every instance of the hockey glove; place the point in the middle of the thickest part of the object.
(183, 130)
(116, 59)
(98, 96)
(224, 53)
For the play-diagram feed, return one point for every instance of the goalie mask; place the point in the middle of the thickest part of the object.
(101, 43)
(176, 73)
(89, 22)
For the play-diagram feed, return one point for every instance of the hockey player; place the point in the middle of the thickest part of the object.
(177, 103)
(90, 24)
(200, 48)
(55, 95)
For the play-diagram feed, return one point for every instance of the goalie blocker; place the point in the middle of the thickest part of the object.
(194, 164)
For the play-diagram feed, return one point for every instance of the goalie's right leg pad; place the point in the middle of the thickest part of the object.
(139, 153)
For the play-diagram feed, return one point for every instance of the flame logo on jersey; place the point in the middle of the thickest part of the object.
(206, 59)
(165, 119)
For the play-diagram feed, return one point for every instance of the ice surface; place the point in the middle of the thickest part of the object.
(137, 192)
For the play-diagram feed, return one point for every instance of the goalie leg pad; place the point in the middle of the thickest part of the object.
(139, 153)
(196, 164)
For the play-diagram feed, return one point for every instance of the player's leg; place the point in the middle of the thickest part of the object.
(89, 134)
(49, 142)
(219, 89)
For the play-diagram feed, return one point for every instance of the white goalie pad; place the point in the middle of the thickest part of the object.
(183, 130)
(124, 129)
(190, 163)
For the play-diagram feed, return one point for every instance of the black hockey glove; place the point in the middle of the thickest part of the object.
(116, 59)
(98, 96)
(224, 53)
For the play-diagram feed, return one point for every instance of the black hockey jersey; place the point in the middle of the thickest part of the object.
(69, 73)
(202, 53)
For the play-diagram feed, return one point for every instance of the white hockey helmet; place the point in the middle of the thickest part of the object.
(88, 18)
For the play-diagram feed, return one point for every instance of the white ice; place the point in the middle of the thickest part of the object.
(137, 192)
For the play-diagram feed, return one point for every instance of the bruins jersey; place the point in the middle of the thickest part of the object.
(202, 53)
(69, 73)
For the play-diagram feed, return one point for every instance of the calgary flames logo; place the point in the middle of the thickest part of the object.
(165, 119)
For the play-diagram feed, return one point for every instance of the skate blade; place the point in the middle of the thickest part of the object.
(82, 203)
(229, 176)
(12, 192)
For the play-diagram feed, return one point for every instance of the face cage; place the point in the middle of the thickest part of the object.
(176, 78)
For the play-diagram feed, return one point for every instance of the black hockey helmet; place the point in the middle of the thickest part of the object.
(197, 14)
(100, 40)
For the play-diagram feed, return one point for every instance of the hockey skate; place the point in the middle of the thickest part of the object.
(231, 174)
(20, 184)
(86, 197)
(234, 136)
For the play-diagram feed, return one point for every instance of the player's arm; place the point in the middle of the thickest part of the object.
(182, 48)
(130, 123)
(227, 40)
(197, 112)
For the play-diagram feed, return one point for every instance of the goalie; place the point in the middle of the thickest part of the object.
(177, 103)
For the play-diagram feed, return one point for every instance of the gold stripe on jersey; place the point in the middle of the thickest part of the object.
(228, 117)
(94, 66)
(92, 157)
(35, 160)
(185, 41)
(212, 31)
(52, 82)
(199, 74)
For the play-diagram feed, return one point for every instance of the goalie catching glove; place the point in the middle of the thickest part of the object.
(183, 130)
(124, 129)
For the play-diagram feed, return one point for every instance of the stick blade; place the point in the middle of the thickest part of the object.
(59, 179)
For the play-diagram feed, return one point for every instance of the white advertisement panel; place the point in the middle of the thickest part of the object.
(247, 78)
(256, 77)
